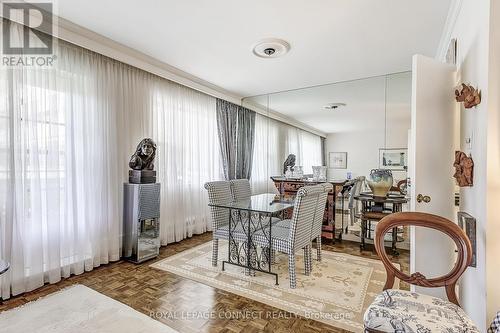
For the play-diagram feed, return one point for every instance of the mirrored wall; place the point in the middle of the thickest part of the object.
(350, 127)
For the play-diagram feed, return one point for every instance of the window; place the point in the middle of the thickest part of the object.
(274, 141)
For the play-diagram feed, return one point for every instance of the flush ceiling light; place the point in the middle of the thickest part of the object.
(333, 106)
(271, 48)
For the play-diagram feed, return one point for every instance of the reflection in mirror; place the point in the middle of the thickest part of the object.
(349, 127)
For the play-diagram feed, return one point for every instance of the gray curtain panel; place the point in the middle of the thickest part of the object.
(227, 118)
(236, 126)
(245, 140)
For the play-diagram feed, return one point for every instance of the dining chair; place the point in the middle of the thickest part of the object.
(353, 204)
(298, 235)
(219, 192)
(403, 311)
(240, 189)
(318, 218)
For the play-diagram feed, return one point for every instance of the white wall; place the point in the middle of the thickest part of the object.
(478, 36)
(493, 153)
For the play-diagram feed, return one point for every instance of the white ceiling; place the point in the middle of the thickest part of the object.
(331, 40)
(372, 104)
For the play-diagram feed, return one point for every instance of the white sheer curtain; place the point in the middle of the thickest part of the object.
(309, 151)
(66, 134)
(274, 141)
(266, 155)
(185, 128)
(60, 207)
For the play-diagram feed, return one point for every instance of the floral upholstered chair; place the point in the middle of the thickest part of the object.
(401, 311)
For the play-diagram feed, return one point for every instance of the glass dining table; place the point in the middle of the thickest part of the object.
(246, 218)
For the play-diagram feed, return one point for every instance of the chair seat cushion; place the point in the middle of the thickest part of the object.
(404, 312)
(279, 238)
(282, 223)
(223, 233)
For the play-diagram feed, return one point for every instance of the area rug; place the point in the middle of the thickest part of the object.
(337, 292)
(78, 309)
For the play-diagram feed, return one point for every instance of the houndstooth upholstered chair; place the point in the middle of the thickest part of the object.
(298, 235)
(401, 311)
(240, 189)
(318, 218)
(218, 192)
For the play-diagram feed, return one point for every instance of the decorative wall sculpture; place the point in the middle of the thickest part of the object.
(468, 95)
(464, 169)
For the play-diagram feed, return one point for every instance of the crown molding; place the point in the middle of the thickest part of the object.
(86, 38)
(451, 19)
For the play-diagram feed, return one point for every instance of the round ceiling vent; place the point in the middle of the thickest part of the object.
(271, 48)
(333, 106)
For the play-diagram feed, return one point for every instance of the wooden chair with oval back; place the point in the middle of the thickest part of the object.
(403, 311)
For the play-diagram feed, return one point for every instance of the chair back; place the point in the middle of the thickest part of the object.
(240, 189)
(355, 190)
(464, 257)
(304, 210)
(219, 192)
(352, 193)
(320, 210)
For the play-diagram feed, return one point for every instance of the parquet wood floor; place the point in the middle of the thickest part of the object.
(189, 306)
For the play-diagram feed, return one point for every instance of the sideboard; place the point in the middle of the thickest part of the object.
(288, 188)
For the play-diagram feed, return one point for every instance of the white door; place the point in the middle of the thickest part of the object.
(432, 149)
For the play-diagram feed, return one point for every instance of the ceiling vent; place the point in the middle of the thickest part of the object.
(271, 48)
(334, 106)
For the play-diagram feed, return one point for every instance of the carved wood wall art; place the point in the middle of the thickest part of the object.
(464, 169)
(468, 95)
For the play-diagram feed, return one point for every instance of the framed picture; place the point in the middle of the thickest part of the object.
(337, 160)
(393, 159)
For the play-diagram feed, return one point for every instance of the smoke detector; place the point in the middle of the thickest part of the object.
(271, 48)
(333, 106)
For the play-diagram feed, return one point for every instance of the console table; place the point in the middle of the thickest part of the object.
(288, 189)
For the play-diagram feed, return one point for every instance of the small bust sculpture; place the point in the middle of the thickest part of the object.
(144, 156)
(289, 162)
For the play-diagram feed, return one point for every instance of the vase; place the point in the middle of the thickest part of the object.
(319, 173)
(380, 182)
(298, 171)
(288, 172)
